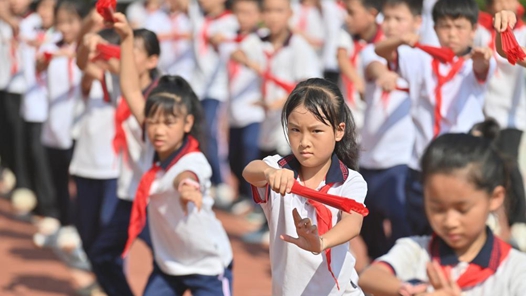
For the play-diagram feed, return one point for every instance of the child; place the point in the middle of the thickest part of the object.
(138, 11)
(177, 187)
(245, 112)
(387, 135)
(280, 59)
(450, 103)
(307, 21)
(464, 180)
(212, 25)
(361, 29)
(173, 28)
(427, 30)
(322, 137)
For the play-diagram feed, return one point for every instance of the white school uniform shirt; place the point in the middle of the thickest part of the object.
(294, 270)
(177, 56)
(6, 34)
(428, 36)
(309, 19)
(353, 48)
(210, 77)
(93, 156)
(462, 97)
(136, 13)
(333, 19)
(295, 61)
(409, 257)
(17, 83)
(387, 135)
(183, 244)
(244, 88)
(65, 106)
(506, 94)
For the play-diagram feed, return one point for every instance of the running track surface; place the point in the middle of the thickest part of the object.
(26, 270)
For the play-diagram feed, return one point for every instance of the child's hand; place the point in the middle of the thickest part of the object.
(387, 81)
(280, 180)
(308, 238)
(410, 39)
(190, 191)
(121, 26)
(91, 40)
(441, 283)
(503, 20)
(217, 39)
(482, 54)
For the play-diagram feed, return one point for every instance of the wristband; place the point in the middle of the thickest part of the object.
(190, 182)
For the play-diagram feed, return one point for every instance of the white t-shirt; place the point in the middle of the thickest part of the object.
(309, 19)
(289, 65)
(210, 77)
(137, 13)
(462, 97)
(333, 19)
(6, 34)
(428, 35)
(387, 135)
(63, 84)
(193, 244)
(506, 94)
(294, 270)
(177, 56)
(93, 156)
(244, 88)
(409, 257)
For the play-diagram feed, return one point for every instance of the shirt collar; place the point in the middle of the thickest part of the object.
(165, 164)
(484, 257)
(338, 171)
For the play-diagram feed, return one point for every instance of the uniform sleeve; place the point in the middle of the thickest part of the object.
(405, 257)
(306, 61)
(252, 47)
(345, 41)
(410, 64)
(355, 187)
(368, 55)
(261, 194)
(517, 283)
(158, 23)
(197, 164)
(133, 13)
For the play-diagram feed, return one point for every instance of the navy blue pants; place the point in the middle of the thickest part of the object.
(59, 160)
(416, 215)
(242, 149)
(162, 284)
(105, 252)
(385, 201)
(211, 109)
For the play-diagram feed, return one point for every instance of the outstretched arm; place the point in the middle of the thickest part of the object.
(349, 71)
(501, 22)
(387, 47)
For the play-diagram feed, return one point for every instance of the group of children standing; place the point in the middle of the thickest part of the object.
(133, 109)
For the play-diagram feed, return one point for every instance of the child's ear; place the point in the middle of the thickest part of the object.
(340, 131)
(373, 11)
(188, 123)
(497, 198)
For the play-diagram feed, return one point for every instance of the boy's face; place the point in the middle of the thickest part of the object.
(456, 34)
(247, 14)
(69, 24)
(211, 5)
(276, 15)
(500, 5)
(19, 7)
(46, 10)
(457, 211)
(359, 18)
(398, 21)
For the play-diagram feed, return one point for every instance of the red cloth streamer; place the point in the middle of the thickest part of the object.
(106, 8)
(108, 51)
(337, 202)
(138, 213)
(513, 51)
(48, 56)
(476, 274)
(486, 20)
(442, 54)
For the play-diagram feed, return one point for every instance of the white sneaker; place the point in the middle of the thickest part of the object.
(223, 194)
(241, 207)
(7, 181)
(257, 237)
(23, 201)
(68, 238)
(46, 235)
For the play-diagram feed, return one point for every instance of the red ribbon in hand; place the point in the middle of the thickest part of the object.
(510, 46)
(442, 54)
(108, 51)
(106, 8)
(338, 202)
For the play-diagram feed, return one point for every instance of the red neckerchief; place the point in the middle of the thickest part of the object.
(234, 67)
(303, 18)
(441, 81)
(442, 54)
(122, 113)
(106, 52)
(474, 274)
(203, 34)
(359, 45)
(138, 213)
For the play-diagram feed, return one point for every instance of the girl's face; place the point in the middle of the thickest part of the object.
(166, 131)
(457, 210)
(399, 20)
(143, 62)
(311, 140)
(69, 24)
(46, 10)
(247, 14)
(276, 15)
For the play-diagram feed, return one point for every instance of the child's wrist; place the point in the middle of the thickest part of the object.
(322, 246)
(189, 182)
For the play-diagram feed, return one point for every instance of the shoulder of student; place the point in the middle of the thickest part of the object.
(197, 163)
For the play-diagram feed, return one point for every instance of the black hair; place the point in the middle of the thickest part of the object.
(110, 35)
(325, 100)
(170, 95)
(151, 45)
(259, 3)
(488, 129)
(77, 7)
(486, 169)
(415, 6)
(375, 4)
(456, 9)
